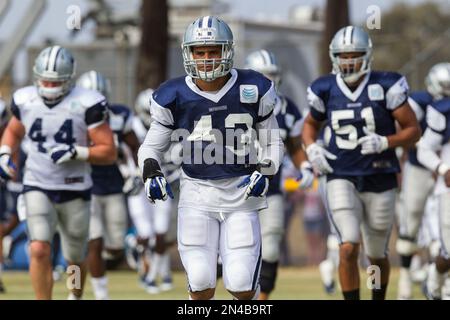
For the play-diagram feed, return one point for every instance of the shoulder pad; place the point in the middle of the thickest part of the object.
(24, 95)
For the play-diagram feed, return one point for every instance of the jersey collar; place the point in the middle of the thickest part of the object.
(352, 95)
(215, 97)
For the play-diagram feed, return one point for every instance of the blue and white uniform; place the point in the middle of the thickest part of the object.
(109, 211)
(361, 189)
(213, 213)
(58, 194)
(417, 184)
(436, 139)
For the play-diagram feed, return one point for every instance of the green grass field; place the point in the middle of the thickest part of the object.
(293, 284)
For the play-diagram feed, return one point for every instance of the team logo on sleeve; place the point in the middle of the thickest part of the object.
(249, 93)
(376, 92)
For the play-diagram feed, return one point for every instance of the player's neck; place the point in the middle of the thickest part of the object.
(214, 85)
(354, 85)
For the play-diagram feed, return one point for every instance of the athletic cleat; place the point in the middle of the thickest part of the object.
(331, 288)
(166, 284)
(428, 294)
(151, 287)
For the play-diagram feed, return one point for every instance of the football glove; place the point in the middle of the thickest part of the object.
(156, 186)
(7, 167)
(157, 189)
(372, 142)
(257, 185)
(317, 155)
(306, 175)
(63, 153)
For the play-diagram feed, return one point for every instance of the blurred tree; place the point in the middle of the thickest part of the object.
(152, 61)
(412, 39)
(336, 17)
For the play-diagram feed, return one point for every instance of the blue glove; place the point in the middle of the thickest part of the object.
(157, 188)
(257, 185)
(7, 167)
(63, 153)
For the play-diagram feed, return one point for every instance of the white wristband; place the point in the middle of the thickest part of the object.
(5, 149)
(442, 169)
(82, 153)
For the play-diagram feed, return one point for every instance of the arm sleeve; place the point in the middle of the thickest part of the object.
(97, 114)
(272, 147)
(397, 94)
(266, 104)
(15, 109)
(157, 141)
(316, 104)
(427, 150)
(431, 141)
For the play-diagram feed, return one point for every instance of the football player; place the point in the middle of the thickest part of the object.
(361, 108)
(217, 112)
(65, 129)
(290, 122)
(153, 222)
(3, 206)
(433, 153)
(417, 184)
(108, 222)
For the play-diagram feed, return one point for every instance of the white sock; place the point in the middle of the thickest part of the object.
(164, 271)
(100, 288)
(154, 267)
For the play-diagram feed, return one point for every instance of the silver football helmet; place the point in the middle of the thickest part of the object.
(208, 31)
(264, 62)
(94, 80)
(142, 106)
(351, 39)
(438, 80)
(54, 64)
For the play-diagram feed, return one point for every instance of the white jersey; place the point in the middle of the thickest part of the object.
(46, 127)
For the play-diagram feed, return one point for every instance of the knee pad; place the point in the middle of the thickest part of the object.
(238, 277)
(268, 276)
(434, 249)
(406, 247)
(200, 277)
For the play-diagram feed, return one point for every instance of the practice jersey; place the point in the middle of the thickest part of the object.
(438, 120)
(419, 101)
(216, 129)
(107, 179)
(46, 127)
(290, 123)
(348, 112)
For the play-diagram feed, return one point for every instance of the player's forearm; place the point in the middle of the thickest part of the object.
(102, 154)
(157, 141)
(309, 133)
(132, 142)
(406, 137)
(12, 138)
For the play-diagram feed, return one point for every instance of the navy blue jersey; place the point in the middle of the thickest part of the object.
(347, 112)
(107, 179)
(290, 123)
(419, 101)
(438, 118)
(208, 120)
